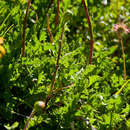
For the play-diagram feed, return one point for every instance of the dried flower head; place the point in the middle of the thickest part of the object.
(121, 28)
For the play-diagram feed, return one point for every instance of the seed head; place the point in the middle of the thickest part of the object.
(39, 106)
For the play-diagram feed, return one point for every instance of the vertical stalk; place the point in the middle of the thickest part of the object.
(24, 27)
(57, 15)
(123, 54)
(90, 32)
(57, 65)
(59, 54)
(49, 30)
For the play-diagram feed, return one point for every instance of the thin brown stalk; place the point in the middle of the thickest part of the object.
(57, 65)
(24, 27)
(28, 120)
(49, 30)
(57, 14)
(123, 54)
(90, 32)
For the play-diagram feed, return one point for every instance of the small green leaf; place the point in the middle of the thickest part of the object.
(14, 125)
(86, 3)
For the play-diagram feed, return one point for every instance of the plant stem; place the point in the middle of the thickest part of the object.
(123, 54)
(24, 27)
(27, 122)
(8, 29)
(49, 30)
(59, 54)
(119, 91)
(57, 15)
(57, 65)
(90, 32)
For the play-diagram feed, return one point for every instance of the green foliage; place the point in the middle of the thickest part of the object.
(15, 125)
(84, 96)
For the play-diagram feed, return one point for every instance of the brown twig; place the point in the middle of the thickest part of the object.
(57, 14)
(28, 120)
(24, 27)
(57, 64)
(90, 31)
(49, 30)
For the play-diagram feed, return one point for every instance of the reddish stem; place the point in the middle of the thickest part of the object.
(28, 120)
(90, 32)
(24, 28)
(49, 30)
(57, 65)
(57, 15)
